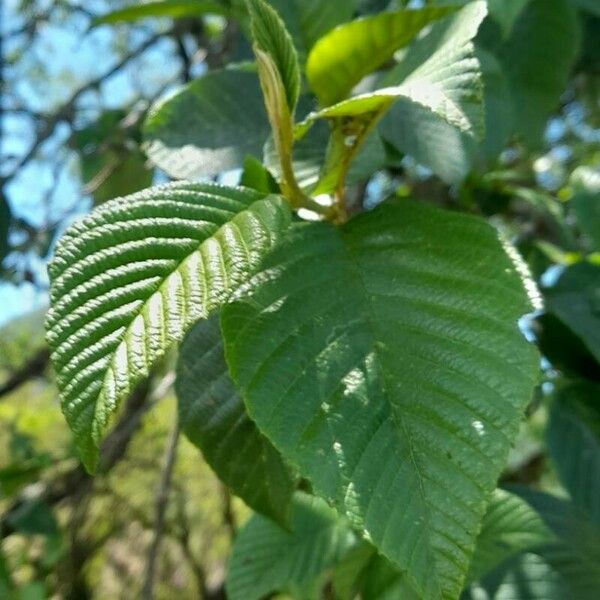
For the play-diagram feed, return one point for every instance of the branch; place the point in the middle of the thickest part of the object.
(65, 112)
(162, 497)
(34, 367)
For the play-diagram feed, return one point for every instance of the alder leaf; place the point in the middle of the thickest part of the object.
(128, 281)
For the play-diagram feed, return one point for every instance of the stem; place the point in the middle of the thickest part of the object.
(162, 497)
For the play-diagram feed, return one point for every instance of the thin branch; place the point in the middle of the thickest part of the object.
(162, 498)
(65, 112)
(34, 367)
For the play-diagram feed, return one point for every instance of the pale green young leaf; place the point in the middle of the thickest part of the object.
(340, 59)
(172, 9)
(213, 417)
(209, 126)
(271, 37)
(440, 72)
(267, 559)
(388, 367)
(129, 280)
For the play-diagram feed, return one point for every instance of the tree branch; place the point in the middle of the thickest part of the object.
(162, 498)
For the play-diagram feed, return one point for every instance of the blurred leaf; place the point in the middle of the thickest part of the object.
(210, 125)
(574, 444)
(16, 475)
(564, 349)
(214, 418)
(308, 20)
(576, 554)
(591, 6)
(509, 527)
(538, 56)
(257, 177)
(33, 517)
(172, 9)
(575, 300)
(266, 558)
(340, 59)
(585, 202)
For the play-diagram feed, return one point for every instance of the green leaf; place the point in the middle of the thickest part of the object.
(309, 20)
(257, 177)
(266, 558)
(129, 280)
(340, 59)
(574, 445)
(575, 300)
(585, 183)
(439, 76)
(506, 12)
(213, 417)
(510, 526)
(387, 366)
(172, 9)
(538, 56)
(271, 37)
(309, 156)
(524, 577)
(33, 517)
(210, 125)
(576, 555)
(590, 6)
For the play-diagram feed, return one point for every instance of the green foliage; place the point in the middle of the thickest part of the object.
(266, 558)
(208, 126)
(383, 401)
(129, 281)
(4, 228)
(343, 57)
(173, 9)
(214, 419)
(357, 374)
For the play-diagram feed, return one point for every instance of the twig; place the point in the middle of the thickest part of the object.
(34, 367)
(162, 498)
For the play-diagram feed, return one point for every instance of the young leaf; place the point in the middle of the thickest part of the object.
(272, 38)
(266, 558)
(210, 125)
(340, 59)
(574, 445)
(388, 367)
(213, 417)
(131, 278)
(172, 9)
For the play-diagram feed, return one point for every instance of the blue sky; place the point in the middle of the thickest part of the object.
(71, 55)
